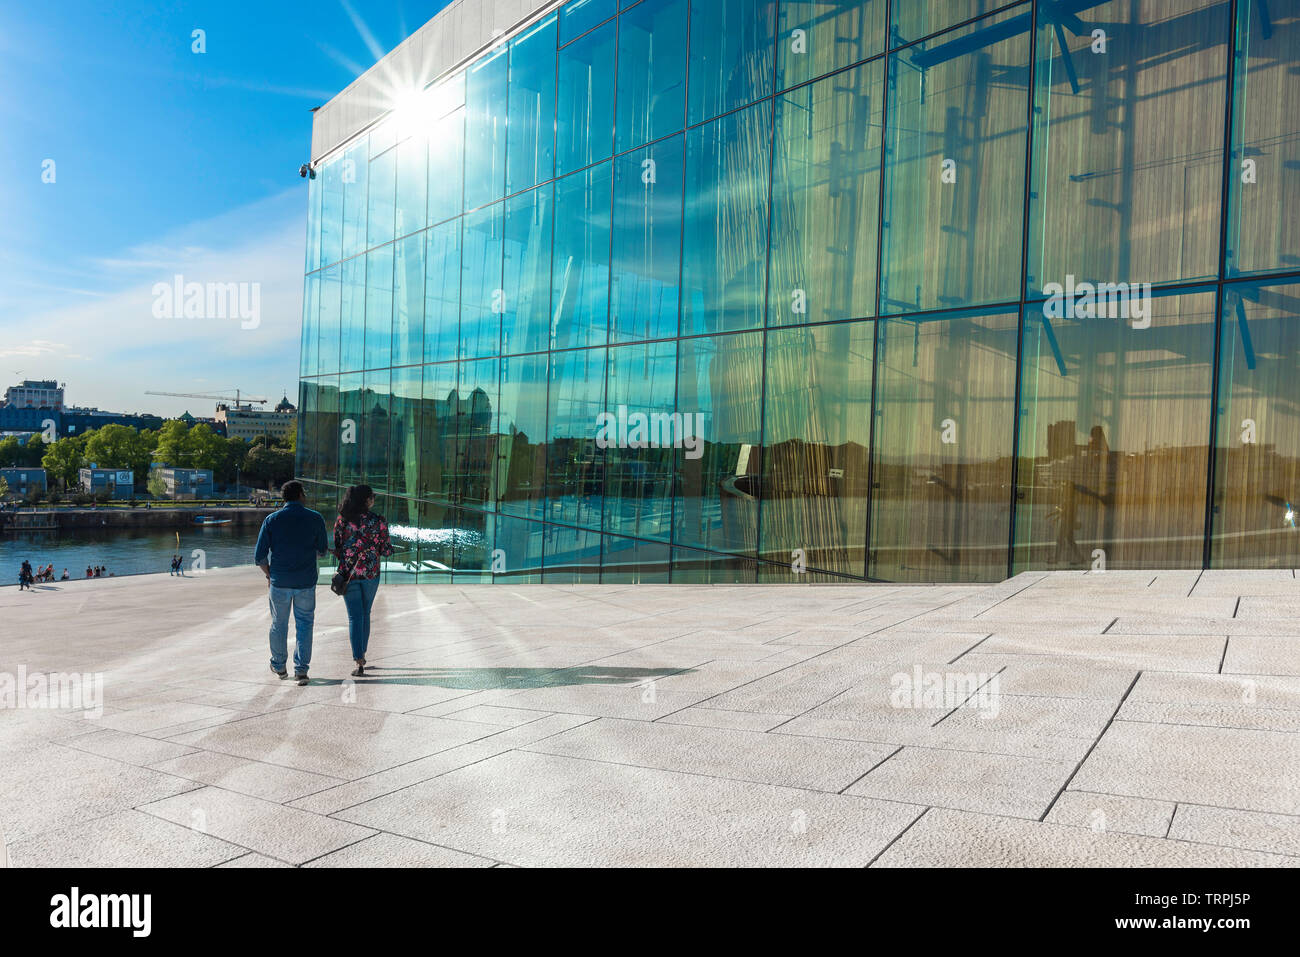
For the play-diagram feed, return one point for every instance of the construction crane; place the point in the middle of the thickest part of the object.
(240, 400)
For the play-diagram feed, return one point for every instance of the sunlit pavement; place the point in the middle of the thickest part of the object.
(1121, 718)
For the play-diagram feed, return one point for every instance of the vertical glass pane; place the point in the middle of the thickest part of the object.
(521, 461)
(447, 167)
(1114, 436)
(412, 184)
(527, 279)
(1257, 467)
(572, 556)
(330, 292)
(520, 546)
(692, 567)
(724, 265)
(442, 292)
(352, 346)
(352, 424)
(647, 250)
(315, 193)
(578, 17)
(472, 549)
(585, 112)
(531, 146)
(1128, 144)
(383, 199)
(438, 431)
(652, 71)
(485, 130)
(816, 37)
(638, 439)
(580, 269)
(826, 199)
(629, 561)
(719, 399)
(404, 437)
(575, 466)
(308, 429)
(408, 300)
(379, 308)
(481, 297)
(732, 55)
(309, 352)
(816, 436)
(327, 429)
(331, 213)
(352, 171)
(955, 173)
(375, 430)
(434, 537)
(1264, 179)
(913, 19)
(945, 424)
(475, 443)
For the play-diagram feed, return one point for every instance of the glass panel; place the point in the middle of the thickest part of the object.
(627, 561)
(719, 398)
(308, 436)
(1114, 435)
(327, 429)
(652, 65)
(434, 537)
(531, 143)
(1257, 468)
(309, 347)
(475, 433)
(404, 440)
(330, 293)
(481, 297)
(442, 292)
(447, 167)
(726, 222)
(913, 20)
(945, 424)
(473, 546)
(379, 308)
(575, 466)
(732, 55)
(353, 314)
(354, 167)
(315, 192)
(383, 187)
(438, 437)
(826, 199)
(585, 113)
(580, 270)
(518, 550)
(1128, 144)
(578, 17)
(331, 215)
(408, 300)
(816, 433)
(402, 515)
(817, 37)
(638, 440)
(955, 179)
(374, 431)
(412, 184)
(485, 130)
(1264, 179)
(351, 427)
(647, 250)
(521, 460)
(572, 556)
(692, 567)
(526, 323)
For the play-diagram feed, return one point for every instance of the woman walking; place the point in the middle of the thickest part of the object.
(360, 542)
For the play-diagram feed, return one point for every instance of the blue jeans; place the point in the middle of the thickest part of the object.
(303, 603)
(358, 599)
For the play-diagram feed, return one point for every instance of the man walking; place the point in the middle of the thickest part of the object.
(287, 546)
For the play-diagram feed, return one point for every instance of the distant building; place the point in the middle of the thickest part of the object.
(23, 481)
(35, 394)
(245, 422)
(192, 420)
(187, 483)
(76, 421)
(119, 483)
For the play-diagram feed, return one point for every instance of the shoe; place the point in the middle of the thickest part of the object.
(301, 679)
(360, 670)
(282, 674)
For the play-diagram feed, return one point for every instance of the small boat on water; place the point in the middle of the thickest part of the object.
(210, 520)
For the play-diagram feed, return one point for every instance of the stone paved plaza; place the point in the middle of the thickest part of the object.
(1117, 719)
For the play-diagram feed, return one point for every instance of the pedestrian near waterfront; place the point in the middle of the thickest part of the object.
(25, 576)
(291, 539)
(65, 575)
(360, 543)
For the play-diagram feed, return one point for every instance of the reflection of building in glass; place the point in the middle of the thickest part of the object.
(831, 236)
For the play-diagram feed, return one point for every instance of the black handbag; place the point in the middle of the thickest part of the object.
(339, 583)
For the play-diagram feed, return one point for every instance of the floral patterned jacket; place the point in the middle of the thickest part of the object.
(360, 545)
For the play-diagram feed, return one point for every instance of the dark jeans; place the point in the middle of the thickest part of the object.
(358, 599)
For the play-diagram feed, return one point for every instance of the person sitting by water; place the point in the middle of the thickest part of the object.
(65, 575)
(89, 572)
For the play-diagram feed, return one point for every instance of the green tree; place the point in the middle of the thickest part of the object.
(63, 459)
(232, 461)
(10, 450)
(269, 466)
(156, 486)
(120, 447)
(170, 444)
(32, 452)
(207, 449)
(4, 489)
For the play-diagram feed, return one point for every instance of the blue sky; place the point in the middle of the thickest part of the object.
(165, 162)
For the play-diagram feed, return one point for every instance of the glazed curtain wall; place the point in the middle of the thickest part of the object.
(822, 290)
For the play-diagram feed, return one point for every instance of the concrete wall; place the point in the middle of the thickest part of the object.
(454, 37)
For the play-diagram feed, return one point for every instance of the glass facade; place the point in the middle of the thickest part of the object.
(822, 290)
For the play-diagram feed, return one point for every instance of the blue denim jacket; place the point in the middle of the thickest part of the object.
(293, 536)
